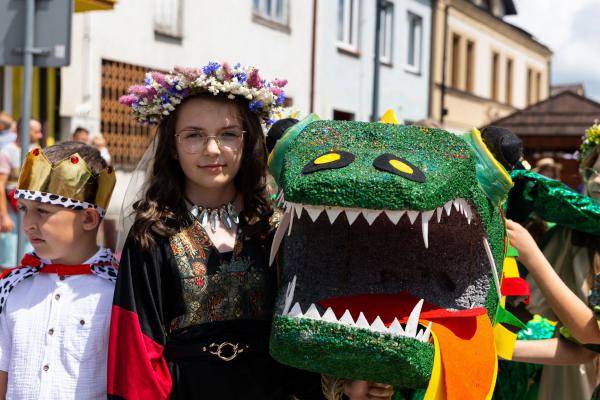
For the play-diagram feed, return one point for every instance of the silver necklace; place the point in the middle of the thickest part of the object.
(224, 214)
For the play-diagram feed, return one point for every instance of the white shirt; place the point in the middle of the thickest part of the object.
(54, 337)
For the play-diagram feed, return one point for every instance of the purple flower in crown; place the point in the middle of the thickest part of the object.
(164, 98)
(211, 68)
(148, 80)
(227, 72)
(255, 106)
(254, 79)
(241, 77)
(280, 99)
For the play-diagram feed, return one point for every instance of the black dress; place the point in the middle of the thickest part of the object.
(189, 322)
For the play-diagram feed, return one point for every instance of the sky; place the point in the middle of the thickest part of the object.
(571, 29)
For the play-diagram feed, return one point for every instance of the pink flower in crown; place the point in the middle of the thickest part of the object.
(128, 99)
(254, 79)
(159, 77)
(227, 72)
(190, 73)
(276, 90)
(279, 82)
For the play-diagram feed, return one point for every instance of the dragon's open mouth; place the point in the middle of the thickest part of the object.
(393, 280)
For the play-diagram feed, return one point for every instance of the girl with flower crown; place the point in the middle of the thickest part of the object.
(565, 278)
(194, 296)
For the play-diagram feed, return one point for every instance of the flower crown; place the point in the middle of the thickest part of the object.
(160, 93)
(590, 140)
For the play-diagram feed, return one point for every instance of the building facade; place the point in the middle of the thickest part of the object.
(483, 68)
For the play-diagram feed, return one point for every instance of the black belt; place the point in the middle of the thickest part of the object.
(226, 350)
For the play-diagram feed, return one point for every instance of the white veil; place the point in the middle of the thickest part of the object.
(136, 190)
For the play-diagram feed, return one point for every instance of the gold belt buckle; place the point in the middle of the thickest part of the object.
(220, 350)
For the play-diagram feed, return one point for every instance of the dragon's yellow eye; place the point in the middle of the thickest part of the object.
(327, 158)
(402, 167)
(398, 166)
(332, 160)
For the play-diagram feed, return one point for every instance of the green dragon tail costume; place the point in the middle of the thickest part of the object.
(396, 255)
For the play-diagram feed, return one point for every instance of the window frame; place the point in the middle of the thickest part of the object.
(350, 27)
(387, 34)
(164, 28)
(417, 45)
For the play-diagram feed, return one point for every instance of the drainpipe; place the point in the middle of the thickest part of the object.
(432, 57)
(444, 63)
(313, 58)
(375, 104)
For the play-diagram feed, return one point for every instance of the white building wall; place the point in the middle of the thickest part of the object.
(345, 82)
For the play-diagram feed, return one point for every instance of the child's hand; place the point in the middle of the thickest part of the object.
(524, 242)
(363, 390)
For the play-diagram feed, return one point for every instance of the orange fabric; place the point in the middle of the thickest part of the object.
(468, 363)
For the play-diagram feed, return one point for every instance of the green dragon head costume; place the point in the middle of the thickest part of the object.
(394, 259)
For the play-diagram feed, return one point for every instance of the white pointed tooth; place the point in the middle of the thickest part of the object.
(427, 333)
(329, 316)
(289, 295)
(456, 205)
(370, 215)
(439, 211)
(313, 212)
(332, 213)
(362, 322)
(279, 234)
(448, 207)
(296, 311)
(468, 212)
(378, 325)
(291, 222)
(396, 328)
(488, 251)
(420, 334)
(351, 215)
(425, 217)
(412, 216)
(312, 313)
(394, 215)
(298, 209)
(413, 320)
(347, 318)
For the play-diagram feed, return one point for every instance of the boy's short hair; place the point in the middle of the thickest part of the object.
(5, 121)
(91, 155)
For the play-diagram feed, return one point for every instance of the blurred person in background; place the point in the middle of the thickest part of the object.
(10, 165)
(80, 134)
(7, 135)
(548, 167)
(100, 143)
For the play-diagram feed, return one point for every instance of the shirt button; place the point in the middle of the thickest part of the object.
(57, 297)
(46, 368)
(62, 277)
(51, 331)
(82, 322)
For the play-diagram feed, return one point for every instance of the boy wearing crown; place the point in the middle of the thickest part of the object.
(55, 307)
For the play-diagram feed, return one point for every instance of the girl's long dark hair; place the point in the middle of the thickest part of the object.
(163, 211)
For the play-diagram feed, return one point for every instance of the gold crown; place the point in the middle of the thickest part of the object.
(69, 178)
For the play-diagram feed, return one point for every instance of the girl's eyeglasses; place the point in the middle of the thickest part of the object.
(590, 173)
(195, 141)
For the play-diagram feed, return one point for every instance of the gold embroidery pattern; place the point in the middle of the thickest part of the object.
(238, 289)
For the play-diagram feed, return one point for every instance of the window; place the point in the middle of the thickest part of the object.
(470, 67)
(529, 86)
(272, 10)
(167, 18)
(509, 81)
(347, 34)
(415, 38)
(538, 86)
(455, 75)
(387, 32)
(343, 115)
(495, 76)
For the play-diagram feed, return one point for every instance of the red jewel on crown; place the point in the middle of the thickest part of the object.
(109, 169)
(74, 160)
(36, 152)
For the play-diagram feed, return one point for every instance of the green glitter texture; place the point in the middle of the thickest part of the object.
(352, 353)
(449, 165)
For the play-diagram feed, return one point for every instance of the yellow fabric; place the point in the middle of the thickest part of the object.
(327, 158)
(93, 5)
(436, 389)
(400, 166)
(505, 341)
(510, 268)
(389, 118)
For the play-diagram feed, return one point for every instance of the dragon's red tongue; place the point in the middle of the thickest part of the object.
(465, 338)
